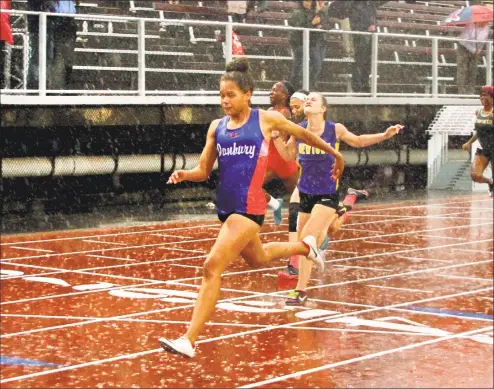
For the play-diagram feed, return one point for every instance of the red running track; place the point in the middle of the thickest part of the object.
(406, 301)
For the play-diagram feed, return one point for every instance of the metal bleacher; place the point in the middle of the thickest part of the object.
(185, 47)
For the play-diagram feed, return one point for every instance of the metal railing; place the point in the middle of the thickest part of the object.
(143, 56)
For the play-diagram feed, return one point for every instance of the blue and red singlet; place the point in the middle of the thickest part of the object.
(242, 162)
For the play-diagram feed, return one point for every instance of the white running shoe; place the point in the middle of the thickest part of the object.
(180, 346)
(314, 254)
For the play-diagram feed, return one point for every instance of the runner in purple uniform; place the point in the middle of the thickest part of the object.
(318, 190)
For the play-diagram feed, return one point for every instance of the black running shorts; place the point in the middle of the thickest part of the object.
(258, 219)
(308, 201)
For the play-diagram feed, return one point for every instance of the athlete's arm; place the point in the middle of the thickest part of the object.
(343, 134)
(466, 146)
(206, 162)
(288, 149)
(274, 120)
(285, 112)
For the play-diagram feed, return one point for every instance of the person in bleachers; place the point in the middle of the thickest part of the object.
(33, 30)
(262, 5)
(467, 55)
(363, 17)
(64, 44)
(237, 10)
(5, 38)
(310, 14)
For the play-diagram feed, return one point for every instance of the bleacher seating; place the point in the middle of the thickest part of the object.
(181, 57)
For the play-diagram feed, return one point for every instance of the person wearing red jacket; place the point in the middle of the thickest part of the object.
(6, 37)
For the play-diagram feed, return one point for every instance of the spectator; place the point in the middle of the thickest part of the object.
(238, 10)
(341, 10)
(262, 5)
(33, 29)
(310, 14)
(60, 42)
(347, 38)
(467, 56)
(6, 37)
(65, 35)
(363, 17)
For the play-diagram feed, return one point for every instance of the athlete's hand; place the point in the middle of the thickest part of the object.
(466, 146)
(393, 130)
(338, 167)
(176, 177)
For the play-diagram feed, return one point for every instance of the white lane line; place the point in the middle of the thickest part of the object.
(389, 244)
(464, 277)
(362, 230)
(475, 251)
(469, 208)
(458, 217)
(173, 236)
(216, 224)
(128, 320)
(405, 289)
(103, 242)
(374, 255)
(415, 232)
(404, 310)
(79, 293)
(258, 270)
(276, 276)
(76, 271)
(114, 234)
(280, 293)
(189, 266)
(342, 251)
(362, 267)
(267, 328)
(487, 298)
(441, 237)
(106, 256)
(214, 324)
(380, 216)
(261, 234)
(405, 205)
(366, 357)
(32, 249)
(425, 259)
(428, 270)
(186, 250)
(127, 265)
